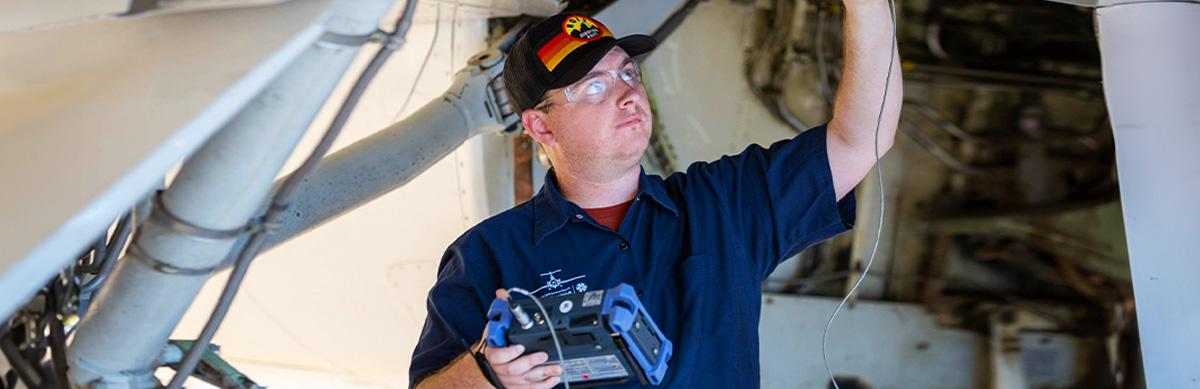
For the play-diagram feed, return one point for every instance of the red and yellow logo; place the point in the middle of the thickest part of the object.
(576, 31)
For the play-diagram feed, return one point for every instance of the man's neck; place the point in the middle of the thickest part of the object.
(592, 191)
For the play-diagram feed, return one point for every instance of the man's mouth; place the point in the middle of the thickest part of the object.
(630, 122)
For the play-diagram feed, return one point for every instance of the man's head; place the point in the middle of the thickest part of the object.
(580, 94)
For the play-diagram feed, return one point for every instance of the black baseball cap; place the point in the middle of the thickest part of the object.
(559, 51)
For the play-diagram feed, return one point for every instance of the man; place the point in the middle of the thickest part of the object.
(696, 246)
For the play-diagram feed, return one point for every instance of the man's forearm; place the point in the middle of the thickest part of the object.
(462, 372)
(868, 46)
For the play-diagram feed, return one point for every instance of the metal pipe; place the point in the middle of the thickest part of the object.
(946, 76)
(1148, 54)
(388, 159)
(220, 188)
(283, 195)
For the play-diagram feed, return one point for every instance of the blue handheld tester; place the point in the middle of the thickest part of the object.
(607, 337)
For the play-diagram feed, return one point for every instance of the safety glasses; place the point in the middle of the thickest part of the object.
(596, 87)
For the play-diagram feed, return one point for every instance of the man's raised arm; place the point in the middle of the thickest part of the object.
(868, 47)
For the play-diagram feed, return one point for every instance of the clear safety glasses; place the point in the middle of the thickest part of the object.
(596, 87)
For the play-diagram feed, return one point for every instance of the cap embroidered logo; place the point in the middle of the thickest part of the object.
(582, 28)
(576, 32)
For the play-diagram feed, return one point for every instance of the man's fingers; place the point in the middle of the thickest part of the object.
(541, 373)
(503, 355)
(547, 384)
(502, 294)
(520, 366)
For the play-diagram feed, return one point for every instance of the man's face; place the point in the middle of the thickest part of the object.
(595, 134)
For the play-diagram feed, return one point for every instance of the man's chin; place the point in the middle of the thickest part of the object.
(635, 156)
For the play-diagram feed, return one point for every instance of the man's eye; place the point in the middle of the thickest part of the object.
(629, 75)
(593, 87)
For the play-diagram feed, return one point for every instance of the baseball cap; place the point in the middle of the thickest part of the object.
(559, 51)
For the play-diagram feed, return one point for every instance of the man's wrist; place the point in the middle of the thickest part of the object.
(462, 372)
(485, 369)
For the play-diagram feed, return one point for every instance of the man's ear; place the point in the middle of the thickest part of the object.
(534, 122)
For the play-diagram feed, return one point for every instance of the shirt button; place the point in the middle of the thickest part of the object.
(579, 216)
(624, 246)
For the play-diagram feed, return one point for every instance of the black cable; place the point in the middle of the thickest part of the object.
(58, 336)
(771, 100)
(437, 27)
(282, 198)
(25, 371)
(111, 251)
(97, 252)
(944, 156)
(9, 378)
(105, 263)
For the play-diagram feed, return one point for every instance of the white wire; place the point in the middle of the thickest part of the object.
(553, 331)
(879, 230)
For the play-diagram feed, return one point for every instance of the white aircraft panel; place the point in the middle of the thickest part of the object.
(96, 114)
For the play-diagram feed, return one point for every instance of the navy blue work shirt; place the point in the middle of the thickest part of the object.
(697, 246)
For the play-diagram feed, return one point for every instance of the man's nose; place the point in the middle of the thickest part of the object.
(628, 96)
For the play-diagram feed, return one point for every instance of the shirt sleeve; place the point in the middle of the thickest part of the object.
(779, 200)
(456, 314)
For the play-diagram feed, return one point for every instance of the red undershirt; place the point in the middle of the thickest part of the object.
(610, 216)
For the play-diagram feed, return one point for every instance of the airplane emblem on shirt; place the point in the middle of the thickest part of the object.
(553, 284)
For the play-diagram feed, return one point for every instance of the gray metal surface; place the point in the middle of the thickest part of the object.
(87, 132)
(391, 157)
(1149, 52)
(222, 187)
(897, 345)
(880, 343)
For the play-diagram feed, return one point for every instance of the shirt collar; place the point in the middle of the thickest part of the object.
(551, 210)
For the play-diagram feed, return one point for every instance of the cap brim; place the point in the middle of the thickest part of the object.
(637, 44)
(634, 45)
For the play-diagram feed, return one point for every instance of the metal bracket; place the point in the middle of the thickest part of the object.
(479, 94)
(167, 268)
(163, 217)
(212, 369)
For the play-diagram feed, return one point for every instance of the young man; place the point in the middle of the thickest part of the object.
(696, 245)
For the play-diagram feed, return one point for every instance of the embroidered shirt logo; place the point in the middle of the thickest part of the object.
(555, 286)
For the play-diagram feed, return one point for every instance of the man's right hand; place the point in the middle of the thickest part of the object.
(512, 369)
(516, 371)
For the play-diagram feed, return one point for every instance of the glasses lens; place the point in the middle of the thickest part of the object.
(591, 90)
(631, 75)
(595, 88)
